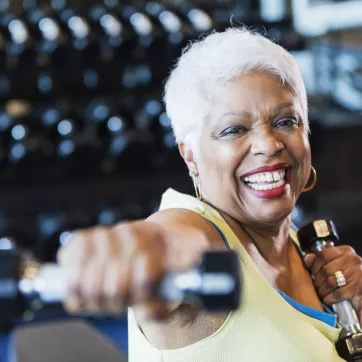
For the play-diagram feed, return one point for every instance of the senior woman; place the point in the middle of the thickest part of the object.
(238, 108)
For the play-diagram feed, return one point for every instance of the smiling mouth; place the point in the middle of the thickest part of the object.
(267, 180)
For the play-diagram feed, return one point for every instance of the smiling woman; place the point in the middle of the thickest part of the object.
(238, 108)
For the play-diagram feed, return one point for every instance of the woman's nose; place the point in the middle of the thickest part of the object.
(265, 143)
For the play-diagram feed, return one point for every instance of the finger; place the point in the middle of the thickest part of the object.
(147, 272)
(325, 256)
(329, 286)
(328, 270)
(79, 247)
(309, 260)
(91, 286)
(339, 294)
(72, 303)
(115, 287)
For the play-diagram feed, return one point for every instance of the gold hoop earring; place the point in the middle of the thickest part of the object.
(312, 185)
(197, 187)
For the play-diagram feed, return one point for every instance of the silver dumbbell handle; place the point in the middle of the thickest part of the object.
(49, 283)
(346, 314)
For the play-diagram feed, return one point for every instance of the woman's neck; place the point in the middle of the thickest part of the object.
(269, 245)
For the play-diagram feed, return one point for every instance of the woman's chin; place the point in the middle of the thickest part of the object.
(272, 214)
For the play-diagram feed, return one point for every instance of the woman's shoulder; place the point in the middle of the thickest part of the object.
(181, 223)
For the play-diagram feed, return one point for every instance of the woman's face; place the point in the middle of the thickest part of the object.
(254, 155)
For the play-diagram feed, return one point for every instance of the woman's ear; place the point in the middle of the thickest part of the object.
(188, 157)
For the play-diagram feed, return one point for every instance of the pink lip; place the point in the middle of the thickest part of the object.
(272, 168)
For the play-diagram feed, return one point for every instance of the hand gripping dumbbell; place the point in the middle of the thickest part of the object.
(26, 285)
(313, 238)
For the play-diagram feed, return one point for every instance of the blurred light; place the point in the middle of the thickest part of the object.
(90, 78)
(143, 73)
(115, 124)
(96, 12)
(175, 38)
(45, 83)
(58, 4)
(129, 79)
(79, 27)
(153, 8)
(118, 144)
(169, 140)
(170, 21)
(164, 120)
(200, 20)
(35, 15)
(50, 117)
(273, 10)
(141, 24)
(25, 286)
(107, 217)
(29, 4)
(17, 152)
(153, 107)
(4, 84)
(18, 107)
(19, 32)
(18, 132)
(297, 217)
(64, 237)
(100, 112)
(65, 127)
(112, 25)
(80, 43)
(306, 63)
(66, 148)
(5, 121)
(345, 93)
(111, 3)
(347, 61)
(50, 225)
(49, 29)
(6, 244)
(66, 14)
(115, 41)
(4, 5)
(318, 19)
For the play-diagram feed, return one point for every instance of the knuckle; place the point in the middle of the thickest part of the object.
(324, 256)
(323, 271)
(128, 234)
(347, 249)
(330, 282)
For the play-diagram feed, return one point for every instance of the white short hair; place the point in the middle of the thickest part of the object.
(215, 60)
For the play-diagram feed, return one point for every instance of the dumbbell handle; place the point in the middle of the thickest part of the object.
(347, 317)
(213, 285)
(51, 284)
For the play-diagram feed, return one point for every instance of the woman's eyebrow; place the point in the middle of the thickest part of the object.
(243, 114)
(274, 111)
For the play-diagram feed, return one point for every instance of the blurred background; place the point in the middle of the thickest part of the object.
(84, 138)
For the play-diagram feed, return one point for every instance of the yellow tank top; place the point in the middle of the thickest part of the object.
(265, 327)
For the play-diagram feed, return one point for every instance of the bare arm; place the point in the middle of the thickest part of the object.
(187, 234)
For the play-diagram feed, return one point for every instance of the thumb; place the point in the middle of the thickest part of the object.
(309, 260)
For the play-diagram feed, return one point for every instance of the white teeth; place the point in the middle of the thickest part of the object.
(267, 186)
(269, 176)
(276, 176)
(266, 176)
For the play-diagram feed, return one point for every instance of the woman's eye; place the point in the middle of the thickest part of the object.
(233, 131)
(287, 122)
